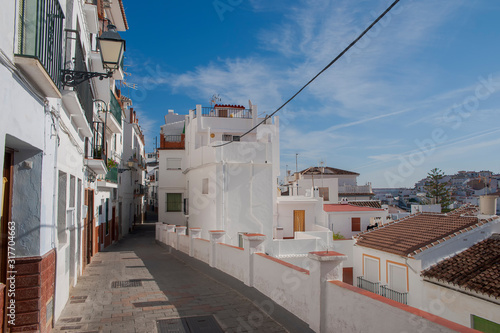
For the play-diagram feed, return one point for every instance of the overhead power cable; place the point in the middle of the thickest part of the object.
(321, 72)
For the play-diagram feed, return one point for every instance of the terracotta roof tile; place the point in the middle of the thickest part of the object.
(369, 203)
(415, 233)
(477, 268)
(348, 208)
(327, 171)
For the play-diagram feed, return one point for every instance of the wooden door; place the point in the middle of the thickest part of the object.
(114, 230)
(299, 220)
(90, 225)
(223, 113)
(6, 186)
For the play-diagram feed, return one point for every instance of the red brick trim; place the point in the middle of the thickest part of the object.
(202, 239)
(284, 263)
(234, 247)
(426, 315)
(35, 287)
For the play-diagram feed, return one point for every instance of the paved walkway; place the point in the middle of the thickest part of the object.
(137, 281)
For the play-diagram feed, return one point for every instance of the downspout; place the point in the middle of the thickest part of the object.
(55, 201)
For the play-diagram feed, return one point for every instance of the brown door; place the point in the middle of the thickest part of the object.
(113, 225)
(299, 220)
(6, 205)
(222, 112)
(90, 225)
(6, 186)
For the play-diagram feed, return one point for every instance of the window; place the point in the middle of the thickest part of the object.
(356, 224)
(173, 202)
(174, 163)
(229, 137)
(484, 325)
(371, 267)
(204, 185)
(396, 276)
(324, 193)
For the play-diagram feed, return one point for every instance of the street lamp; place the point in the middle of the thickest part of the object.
(111, 48)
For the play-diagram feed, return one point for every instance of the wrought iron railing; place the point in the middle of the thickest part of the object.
(393, 294)
(96, 149)
(374, 287)
(83, 90)
(41, 33)
(115, 108)
(226, 112)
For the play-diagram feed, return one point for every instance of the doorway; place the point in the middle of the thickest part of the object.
(299, 220)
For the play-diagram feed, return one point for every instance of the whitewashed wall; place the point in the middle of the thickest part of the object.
(232, 261)
(201, 249)
(340, 222)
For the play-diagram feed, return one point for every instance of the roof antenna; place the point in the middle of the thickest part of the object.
(215, 98)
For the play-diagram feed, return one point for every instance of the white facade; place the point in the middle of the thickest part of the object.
(342, 221)
(49, 130)
(402, 274)
(230, 187)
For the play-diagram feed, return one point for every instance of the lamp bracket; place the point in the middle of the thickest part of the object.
(73, 78)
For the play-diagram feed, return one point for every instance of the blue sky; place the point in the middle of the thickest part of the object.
(421, 90)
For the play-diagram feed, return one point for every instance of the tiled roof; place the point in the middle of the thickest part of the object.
(369, 203)
(229, 106)
(477, 268)
(337, 208)
(327, 171)
(416, 233)
(123, 14)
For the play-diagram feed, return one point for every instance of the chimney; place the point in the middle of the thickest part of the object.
(488, 204)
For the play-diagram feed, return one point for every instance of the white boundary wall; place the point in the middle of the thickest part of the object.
(317, 296)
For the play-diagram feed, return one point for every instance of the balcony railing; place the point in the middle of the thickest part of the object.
(226, 112)
(115, 108)
(355, 189)
(112, 175)
(83, 90)
(374, 287)
(97, 148)
(41, 33)
(393, 294)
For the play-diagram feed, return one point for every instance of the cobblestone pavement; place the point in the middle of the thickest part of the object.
(137, 281)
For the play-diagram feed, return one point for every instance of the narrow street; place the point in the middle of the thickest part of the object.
(136, 282)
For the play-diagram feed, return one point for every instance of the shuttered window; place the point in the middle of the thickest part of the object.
(356, 224)
(174, 202)
(174, 163)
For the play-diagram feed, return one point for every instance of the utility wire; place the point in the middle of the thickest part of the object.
(321, 72)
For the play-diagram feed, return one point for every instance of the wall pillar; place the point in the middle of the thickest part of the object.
(179, 230)
(158, 231)
(324, 266)
(216, 236)
(193, 233)
(252, 243)
(168, 234)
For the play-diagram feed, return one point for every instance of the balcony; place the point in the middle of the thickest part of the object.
(113, 119)
(141, 191)
(385, 291)
(226, 112)
(39, 44)
(374, 287)
(172, 141)
(110, 180)
(95, 150)
(393, 294)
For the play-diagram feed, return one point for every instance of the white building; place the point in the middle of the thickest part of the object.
(212, 176)
(348, 219)
(389, 260)
(57, 139)
(132, 173)
(333, 184)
